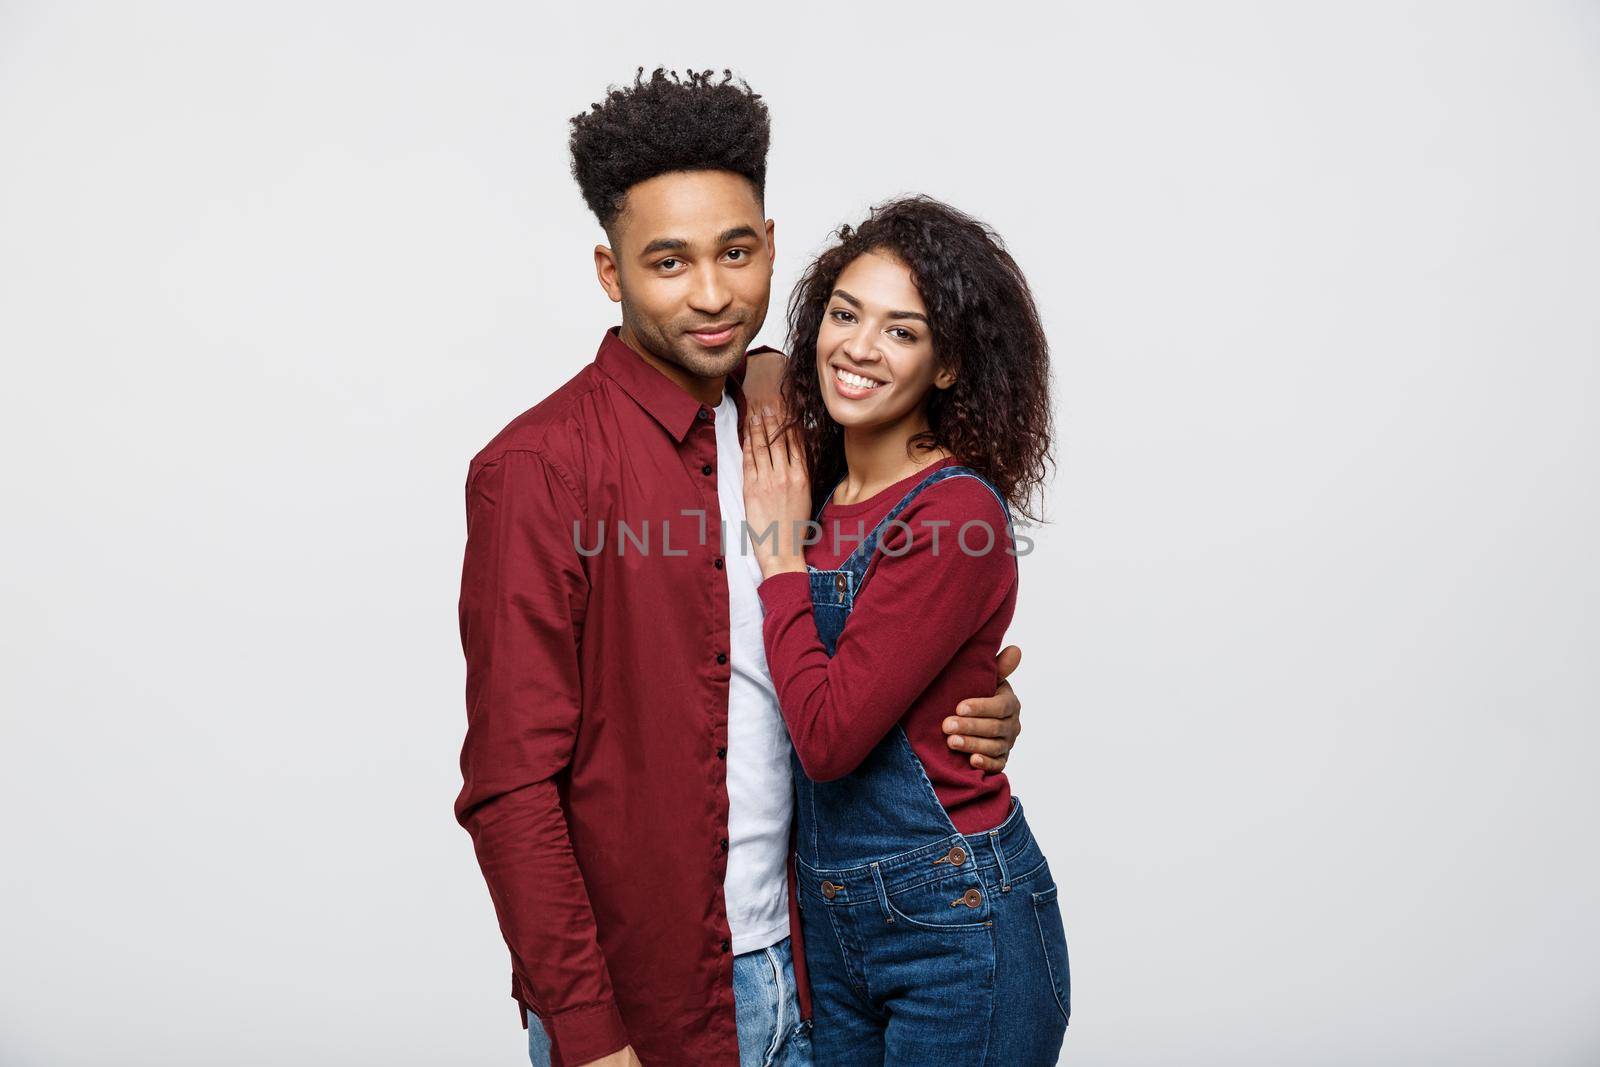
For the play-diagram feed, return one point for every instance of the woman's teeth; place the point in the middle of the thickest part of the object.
(855, 380)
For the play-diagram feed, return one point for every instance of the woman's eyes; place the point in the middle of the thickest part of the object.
(900, 332)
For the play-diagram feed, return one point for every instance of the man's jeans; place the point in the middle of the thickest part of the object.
(771, 1033)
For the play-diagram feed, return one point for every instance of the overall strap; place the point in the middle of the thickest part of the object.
(862, 556)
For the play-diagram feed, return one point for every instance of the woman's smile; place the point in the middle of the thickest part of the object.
(852, 386)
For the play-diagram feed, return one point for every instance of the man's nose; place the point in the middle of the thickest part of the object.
(710, 294)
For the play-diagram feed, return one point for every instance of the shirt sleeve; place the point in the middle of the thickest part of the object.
(523, 597)
(926, 598)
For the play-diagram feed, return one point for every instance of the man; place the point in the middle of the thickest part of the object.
(626, 770)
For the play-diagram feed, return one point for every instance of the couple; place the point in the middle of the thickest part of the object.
(733, 770)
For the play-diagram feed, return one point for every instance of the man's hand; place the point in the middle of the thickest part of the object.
(623, 1058)
(762, 373)
(988, 727)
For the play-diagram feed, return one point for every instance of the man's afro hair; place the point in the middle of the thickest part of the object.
(667, 124)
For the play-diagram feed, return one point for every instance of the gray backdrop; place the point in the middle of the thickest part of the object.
(1310, 647)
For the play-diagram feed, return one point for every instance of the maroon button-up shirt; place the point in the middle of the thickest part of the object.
(594, 764)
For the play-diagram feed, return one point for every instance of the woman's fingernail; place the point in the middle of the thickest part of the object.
(956, 742)
(766, 409)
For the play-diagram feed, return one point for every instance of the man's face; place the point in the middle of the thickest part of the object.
(691, 264)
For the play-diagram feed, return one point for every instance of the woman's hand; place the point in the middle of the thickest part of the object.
(777, 493)
(763, 380)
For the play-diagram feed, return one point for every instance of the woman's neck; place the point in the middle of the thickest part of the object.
(877, 457)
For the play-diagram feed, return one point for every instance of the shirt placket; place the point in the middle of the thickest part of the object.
(700, 460)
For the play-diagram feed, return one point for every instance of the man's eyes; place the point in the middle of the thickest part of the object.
(738, 255)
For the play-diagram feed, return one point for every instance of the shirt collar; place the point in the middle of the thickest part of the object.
(659, 395)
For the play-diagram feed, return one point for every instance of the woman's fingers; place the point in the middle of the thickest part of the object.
(747, 447)
(777, 444)
(797, 450)
(757, 439)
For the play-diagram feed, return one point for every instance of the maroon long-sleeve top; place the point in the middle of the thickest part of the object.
(922, 635)
(594, 766)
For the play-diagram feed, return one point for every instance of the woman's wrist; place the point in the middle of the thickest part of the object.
(785, 564)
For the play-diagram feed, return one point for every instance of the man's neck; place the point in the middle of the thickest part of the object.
(706, 390)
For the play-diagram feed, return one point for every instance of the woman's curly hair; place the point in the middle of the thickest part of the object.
(996, 417)
(663, 125)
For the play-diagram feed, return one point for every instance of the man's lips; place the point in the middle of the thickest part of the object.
(714, 336)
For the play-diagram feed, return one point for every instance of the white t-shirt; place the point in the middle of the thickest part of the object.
(760, 789)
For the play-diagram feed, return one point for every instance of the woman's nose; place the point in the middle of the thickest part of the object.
(859, 347)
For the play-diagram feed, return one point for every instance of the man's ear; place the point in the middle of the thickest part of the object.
(772, 247)
(605, 269)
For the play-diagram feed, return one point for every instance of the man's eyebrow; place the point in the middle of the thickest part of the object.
(678, 244)
(852, 301)
(665, 244)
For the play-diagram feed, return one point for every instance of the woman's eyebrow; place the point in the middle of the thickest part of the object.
(852, 301)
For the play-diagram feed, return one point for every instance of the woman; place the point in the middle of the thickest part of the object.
(919, 393)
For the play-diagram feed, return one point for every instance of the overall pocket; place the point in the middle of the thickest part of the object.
(959, 903)
(1053, 940)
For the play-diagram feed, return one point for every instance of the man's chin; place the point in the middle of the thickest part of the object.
(712, 362)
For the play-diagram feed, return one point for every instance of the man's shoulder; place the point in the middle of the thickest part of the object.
(552, 428)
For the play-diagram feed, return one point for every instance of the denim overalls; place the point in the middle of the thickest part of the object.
(924, 946)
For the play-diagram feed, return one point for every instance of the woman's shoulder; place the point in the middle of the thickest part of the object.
(961, 492)
(962, 509)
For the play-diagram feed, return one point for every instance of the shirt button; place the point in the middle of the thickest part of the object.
(706, 469)
(726, 946)
(717, 563)
(722, 753)
(724, 844)
(704, 414)
(722, 657)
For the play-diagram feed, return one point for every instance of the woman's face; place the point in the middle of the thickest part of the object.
(875, 353)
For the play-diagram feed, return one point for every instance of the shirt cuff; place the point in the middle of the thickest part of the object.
(593, 1032)
(783, 589)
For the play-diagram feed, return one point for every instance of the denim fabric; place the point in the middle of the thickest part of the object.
(923, 945)
(771, 1032)
(903, 971)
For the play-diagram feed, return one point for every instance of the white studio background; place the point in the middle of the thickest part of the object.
(1310, 669)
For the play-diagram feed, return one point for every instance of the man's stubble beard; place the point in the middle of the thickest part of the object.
(671, 346)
